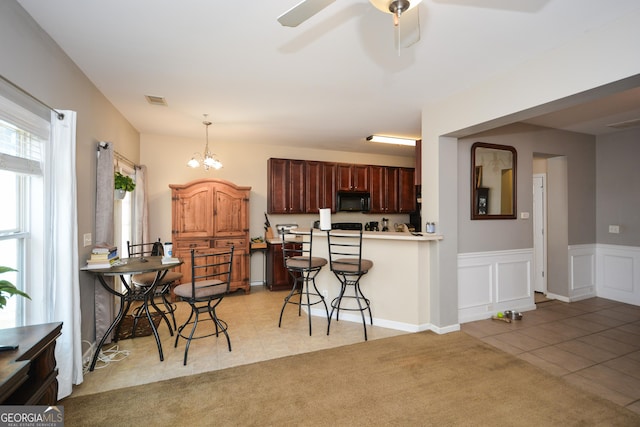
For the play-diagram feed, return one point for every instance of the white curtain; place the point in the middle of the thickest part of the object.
(61, 249)
(140, 210)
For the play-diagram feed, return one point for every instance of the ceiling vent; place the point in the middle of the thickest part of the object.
(626, 124)
(156, 100)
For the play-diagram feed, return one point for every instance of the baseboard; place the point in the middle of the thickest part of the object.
(389, 324)
(558, 297)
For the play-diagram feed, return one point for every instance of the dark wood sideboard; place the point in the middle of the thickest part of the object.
(28, 375)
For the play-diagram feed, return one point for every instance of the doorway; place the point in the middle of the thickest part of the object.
(539, 235)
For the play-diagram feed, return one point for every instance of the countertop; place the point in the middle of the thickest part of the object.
(377, 235)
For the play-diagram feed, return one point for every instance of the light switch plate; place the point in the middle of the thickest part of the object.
(524, 215)
(87, 239)
(615, 229)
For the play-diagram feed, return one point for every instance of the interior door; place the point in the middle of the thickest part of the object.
(539, 234)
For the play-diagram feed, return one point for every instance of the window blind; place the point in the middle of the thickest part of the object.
(22, 137)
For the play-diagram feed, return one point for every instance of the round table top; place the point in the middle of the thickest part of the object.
(137, 265)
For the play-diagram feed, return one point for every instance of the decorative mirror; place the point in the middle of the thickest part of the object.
(493, 181)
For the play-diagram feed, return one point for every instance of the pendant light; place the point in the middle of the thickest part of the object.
(208, 160)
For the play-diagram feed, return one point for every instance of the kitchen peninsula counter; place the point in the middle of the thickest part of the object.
(379, 235)
(398, 284)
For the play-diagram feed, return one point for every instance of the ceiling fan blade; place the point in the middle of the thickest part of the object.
(302, 11)
(408, 29)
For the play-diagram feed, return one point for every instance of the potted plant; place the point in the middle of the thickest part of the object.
(122, 184)
(7, 289)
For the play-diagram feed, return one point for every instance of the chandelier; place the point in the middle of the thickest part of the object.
(208, 160)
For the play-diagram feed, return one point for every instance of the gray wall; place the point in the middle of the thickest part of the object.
(34, 62)
(529, 141)
(618, 187)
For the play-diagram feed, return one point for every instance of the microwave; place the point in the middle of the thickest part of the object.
(354, 201)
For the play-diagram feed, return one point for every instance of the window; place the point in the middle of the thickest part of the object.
(22, 136)
(123, 215)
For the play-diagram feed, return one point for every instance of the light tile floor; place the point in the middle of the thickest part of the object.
(593, 344)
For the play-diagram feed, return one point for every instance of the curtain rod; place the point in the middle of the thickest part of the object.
(58, 113)
(122, 158)
(116, 155)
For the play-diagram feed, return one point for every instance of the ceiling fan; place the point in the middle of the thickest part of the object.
(398, 8)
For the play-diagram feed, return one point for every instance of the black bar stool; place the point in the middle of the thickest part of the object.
(347, 264)
(303, 268)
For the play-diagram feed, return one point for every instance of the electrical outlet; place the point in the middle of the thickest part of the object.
(615, 229)
(87, 239)
(524, 215)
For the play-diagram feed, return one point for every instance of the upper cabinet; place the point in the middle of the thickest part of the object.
(305, 186)
(320, 186)
(285, 186)
(384, 189)
(353, 177)
(407, 190)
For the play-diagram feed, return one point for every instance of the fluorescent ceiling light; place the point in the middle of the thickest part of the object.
(392, 140)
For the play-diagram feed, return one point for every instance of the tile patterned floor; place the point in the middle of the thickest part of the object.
(593, 344)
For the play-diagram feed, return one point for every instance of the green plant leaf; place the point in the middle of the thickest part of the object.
(8, 288)
(123, 182)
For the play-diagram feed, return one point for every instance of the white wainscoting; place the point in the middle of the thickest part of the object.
(582, 273)
(618, 273)
(489, 282)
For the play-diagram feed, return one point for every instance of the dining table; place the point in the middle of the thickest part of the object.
(125, 268)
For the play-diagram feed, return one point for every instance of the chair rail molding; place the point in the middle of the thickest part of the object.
(582, 273)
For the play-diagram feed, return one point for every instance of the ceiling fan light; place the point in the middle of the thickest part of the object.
(391, 6)
(392, 140)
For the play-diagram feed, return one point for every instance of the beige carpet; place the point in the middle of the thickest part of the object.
(409, 380)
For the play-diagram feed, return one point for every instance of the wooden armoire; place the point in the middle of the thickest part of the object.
(211, 214)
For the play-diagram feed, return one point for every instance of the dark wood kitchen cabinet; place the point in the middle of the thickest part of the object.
(278, 278)
(384, 189)
(407, 202)
(320, 186)
(285, 186)
(352, 177)
(305, 186)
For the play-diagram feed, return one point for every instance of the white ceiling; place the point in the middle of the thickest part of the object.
(327, 83)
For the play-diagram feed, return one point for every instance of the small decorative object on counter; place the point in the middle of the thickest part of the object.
(431, 227)
(168, 250)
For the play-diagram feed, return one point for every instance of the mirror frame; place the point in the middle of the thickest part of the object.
(474, 214)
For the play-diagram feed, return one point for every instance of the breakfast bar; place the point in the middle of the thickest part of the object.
(398, 285)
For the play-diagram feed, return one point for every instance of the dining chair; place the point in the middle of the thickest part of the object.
(163, 288)
(210, 279)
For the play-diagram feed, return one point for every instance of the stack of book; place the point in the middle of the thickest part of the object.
(103, 256)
